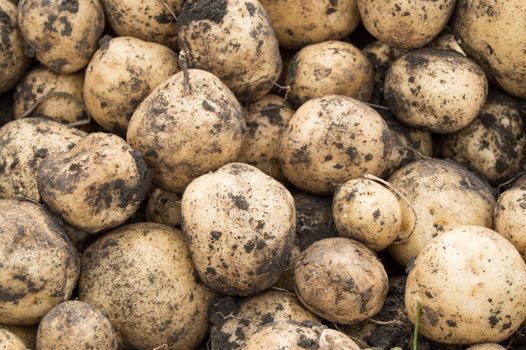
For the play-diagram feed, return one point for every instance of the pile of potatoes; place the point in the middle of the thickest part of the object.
(263, 174)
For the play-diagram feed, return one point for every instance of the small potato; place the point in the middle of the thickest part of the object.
(95, 186)
(120, 76)
(330, 68)
(164, 208)
(142, 276)
(27, 334)
(437, 90)
(9, 341)
(186, 128)
(331, 140)
(75, 325)
(266, 119)
(341, 280)
(510, 217)
(35, 90)
(405, 24)
(487, 346)
(367, 212)
(447, 41)
(24, 143)
(63, 34)
(470, 284)
(234, 40)
(40, 266)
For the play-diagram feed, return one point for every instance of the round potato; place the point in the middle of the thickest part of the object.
(114, 271)
(437, 90)
(40, 266)
(27, 334)
(510, 217)
(329, 68)
(341, 280)
(63, 34)
(164, 208)
(331, 140)
(469, 282)
(9, 341)
(234, 40)
(120, 76)
(405, 24)
(444, 196)
(75, 325)
(235, 214)
(186, 128)
(487, 346)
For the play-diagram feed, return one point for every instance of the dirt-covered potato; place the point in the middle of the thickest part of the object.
(13, 60)
(36, 91)
(40, 266)
(142, 276)
(447, 41)
(494, 144)
(470, 283)
(24, 143)
(266, 119)
(75, 325)
(486, 346)
(27, 334)
(405, 24)
(341, 280)
(437, 90)
(329, 68)
(120, 76)
(164, 208)
(493, 32)
(63, 34)
(9, 341)
(234, 40)
(331, 140)
(510, 217)
(97, 185)
(235, 322)
(186, 128)
(444, 196)
(150, 20)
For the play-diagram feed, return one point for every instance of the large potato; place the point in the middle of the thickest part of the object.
(9, 341)
(510, 217)
(63, 34)
(234, 40)
(142, 276)
(164, 208)
(470, 284)
(39, 264)
(120, 76)
(238, 214)
(187, 128)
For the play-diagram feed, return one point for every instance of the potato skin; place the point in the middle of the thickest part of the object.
(487, 346)
(185, 134)
(234, 40)
(437, 90)
(119, 77)
(470, 283)
(27, 334)
(30, 235)
(64, 35)
(75, 325)
(9, 341)
(238, 214)
(164, 208)
(329, 68)
(510, 217)
(114, 271)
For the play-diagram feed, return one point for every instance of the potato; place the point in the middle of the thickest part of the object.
(9, 341)
(75, 325)
(494, 144)
(487, 346)
(510, 217)
(187, 129)
(150, 20)
(341, 280)
(164, 208)
(35, 91)
(437, 90)
(142, 276)
(26, 334)
(234, 323)
(234, 40)
(405, 24)
(63, 34)
(235, 214)
(24, 143)
(40, 266)
(447, 41)
(13, 60)
(493, 32)
(120, 76)
(266, 119)
(97, 185)
(444, 196)
(331, 140)
(470, 283)
(329, 68)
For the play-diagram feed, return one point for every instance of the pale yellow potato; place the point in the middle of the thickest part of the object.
(510, 217)
(164, 208)
(487, 346)
(9, 341)
(27, 334)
